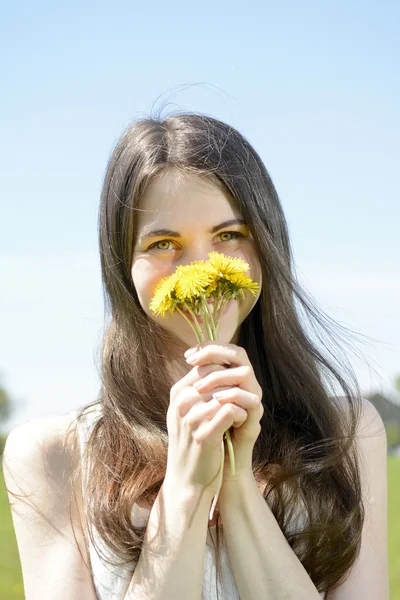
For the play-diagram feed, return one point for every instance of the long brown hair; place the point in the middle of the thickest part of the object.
(312, 403)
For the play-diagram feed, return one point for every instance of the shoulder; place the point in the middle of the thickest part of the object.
(46, 506)
(370, 423)
(369, 577)
(370, 443)
(43, 441)
(371, 447)
(38, 459)
(49, 428)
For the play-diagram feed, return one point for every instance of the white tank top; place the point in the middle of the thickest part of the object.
(111, 582)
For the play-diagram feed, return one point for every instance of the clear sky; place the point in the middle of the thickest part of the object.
(315, 88)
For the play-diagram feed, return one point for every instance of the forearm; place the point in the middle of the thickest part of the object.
(263, 563)
(171, 562)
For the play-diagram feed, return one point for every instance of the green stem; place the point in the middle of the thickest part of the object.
(214, 327)
(218, 319)
(231, 452)
(197, 324)
(198, 338)
(212, 322)
(210, 333)
(219, 481)
(221, 309)
(217, 303)
(208, 319)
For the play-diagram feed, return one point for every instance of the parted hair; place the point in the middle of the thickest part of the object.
(305, 453)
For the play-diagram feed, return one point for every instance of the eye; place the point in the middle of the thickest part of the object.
(236, 235)
(232, 233)
(160, 242)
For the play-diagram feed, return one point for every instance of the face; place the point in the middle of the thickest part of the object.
(189, 206)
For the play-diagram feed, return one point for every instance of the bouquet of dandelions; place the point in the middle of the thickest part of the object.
(221, 278)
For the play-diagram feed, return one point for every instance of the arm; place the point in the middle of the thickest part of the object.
(36, 467)
(263, 563)
(171, 562)
(262, 560)
(369, 576)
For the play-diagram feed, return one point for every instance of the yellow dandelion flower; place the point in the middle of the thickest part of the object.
(244, 282)
(207, 269)
(163, 299)
(187, 290)
(227, 265)
(192, 281)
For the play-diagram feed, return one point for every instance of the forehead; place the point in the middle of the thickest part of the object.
(175, 195)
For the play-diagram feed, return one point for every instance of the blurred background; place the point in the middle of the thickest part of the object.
(315, 89)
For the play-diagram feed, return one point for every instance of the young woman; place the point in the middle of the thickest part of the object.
(305, 514)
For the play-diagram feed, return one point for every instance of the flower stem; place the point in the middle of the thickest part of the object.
(208, 327)
(195, 330)
(221, 310)
(208, 319)
(217, 303)
(211, 322)
(219, 481)
(231, 452)
(196, 324)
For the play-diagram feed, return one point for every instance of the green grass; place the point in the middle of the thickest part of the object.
(11, 587)
(394, 526)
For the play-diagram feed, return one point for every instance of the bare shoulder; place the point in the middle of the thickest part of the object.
(37, 462)
(45, 445)
(372, 451)
(369, 576)
(46, 506)
(370, 423)
(46, 433)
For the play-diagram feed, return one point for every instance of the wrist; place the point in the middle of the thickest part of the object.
(187, 503)
(233, 486)
(186, 494)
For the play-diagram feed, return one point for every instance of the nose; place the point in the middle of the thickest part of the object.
(197, 252)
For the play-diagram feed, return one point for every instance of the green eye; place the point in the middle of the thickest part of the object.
(161, 242)
(234, 235)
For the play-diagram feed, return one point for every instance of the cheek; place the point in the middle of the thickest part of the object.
(251, 300)
(146, 277)
(249, 256)
(256, 275)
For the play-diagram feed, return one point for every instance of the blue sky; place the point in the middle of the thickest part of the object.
(314, 86)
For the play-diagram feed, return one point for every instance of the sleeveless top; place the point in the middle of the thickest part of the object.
(111, 582)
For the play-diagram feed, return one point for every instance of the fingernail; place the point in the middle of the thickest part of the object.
(190, 351)
(192, 358)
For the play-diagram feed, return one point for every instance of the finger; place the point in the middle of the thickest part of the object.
(239, 376)
(203, 413)
(189, 397)
(213, 430)
(251, 403)
(242, 398)
(229, 354)
(194, 375)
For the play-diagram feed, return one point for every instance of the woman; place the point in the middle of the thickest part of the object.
(305, 514)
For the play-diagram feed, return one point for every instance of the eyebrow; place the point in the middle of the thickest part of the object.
(158, 232)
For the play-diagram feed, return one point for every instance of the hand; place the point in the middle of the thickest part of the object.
(196, 424)
(241, 389)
